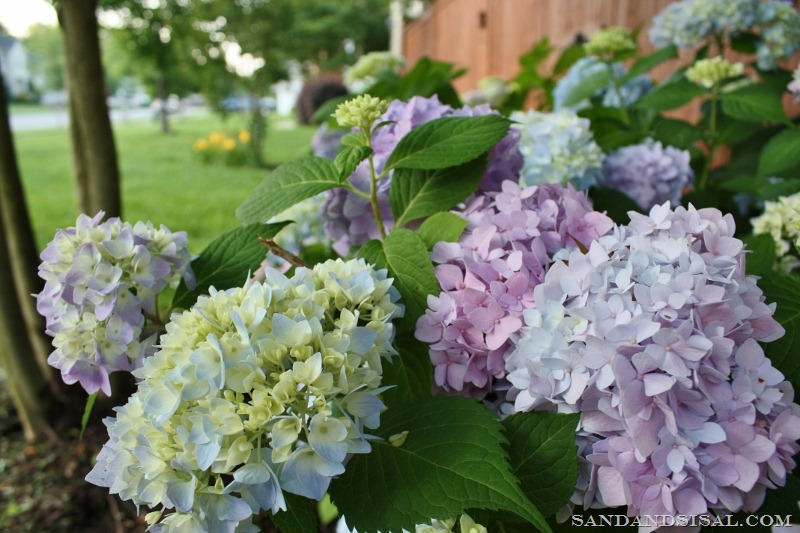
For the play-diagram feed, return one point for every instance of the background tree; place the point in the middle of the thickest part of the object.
(94, 148)
(23, 348)
(45, 57)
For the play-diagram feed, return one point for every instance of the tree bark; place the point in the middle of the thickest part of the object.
(20, 249)
(79, 172)
(24, 378)
(163, 95)
(87, 84)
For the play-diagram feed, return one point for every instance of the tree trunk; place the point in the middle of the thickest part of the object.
(258, 129)
(163, 95)
(79, 172)
(24, 377)
(21, 253)
(87, 84)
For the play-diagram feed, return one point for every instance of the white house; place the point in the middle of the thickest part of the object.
(14, 64)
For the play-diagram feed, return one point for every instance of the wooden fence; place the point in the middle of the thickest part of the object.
(488, 36)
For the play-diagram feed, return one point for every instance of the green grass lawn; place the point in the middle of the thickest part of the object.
(162, 180)
(17, 108)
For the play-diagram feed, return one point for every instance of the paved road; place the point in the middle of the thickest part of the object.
(60, 118)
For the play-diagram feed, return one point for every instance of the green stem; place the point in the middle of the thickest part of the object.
(712, 140)
(373, 193)
(618, 91)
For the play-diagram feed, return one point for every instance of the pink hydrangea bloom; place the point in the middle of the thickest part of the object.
(651, 336)
(487, 278)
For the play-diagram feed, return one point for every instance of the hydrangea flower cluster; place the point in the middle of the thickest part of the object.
(627, 94)
(558, 148)
(491, 90)
(609, 42)
(348, 217)
(306, 230)
(487, 278)
(688, 23)
(369, 67)
(651, 335)
(99, 277)
(649, 173)
(712, 71)
(780, 33)
(254, 391)
(794, 85)
(781, 220)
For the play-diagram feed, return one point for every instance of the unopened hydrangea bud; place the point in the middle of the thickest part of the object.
(610, 41)
(360, 112)
(710, 72)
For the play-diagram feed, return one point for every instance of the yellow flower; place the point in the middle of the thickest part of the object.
(200, 145)
(216, 138)
(228, 145)
(244, 136)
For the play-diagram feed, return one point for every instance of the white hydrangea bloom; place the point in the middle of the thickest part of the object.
(781, 220)
(255, 390)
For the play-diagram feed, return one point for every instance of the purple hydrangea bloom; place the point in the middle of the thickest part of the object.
(348, 217)
(487, 278)
(326, 141)
(651, 336)
(99, 277)
(649, 173)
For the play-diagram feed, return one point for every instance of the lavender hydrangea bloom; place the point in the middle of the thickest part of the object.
(487, 278)
(688, 23)
(649, 173)
(651, 336)
(558, 148)
(99, 277)
(348, 217)
(326, 141)
(630, 92)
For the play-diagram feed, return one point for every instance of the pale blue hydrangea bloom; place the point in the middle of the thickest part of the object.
(688, 23)
(585, 67)
(255, 391)
(558, 148)
(780, 33)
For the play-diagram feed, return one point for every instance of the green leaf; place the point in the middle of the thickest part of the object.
(444, 226)
(299, 516)
(226, 261)
(410, 372)
(785, 291)
(405, 255)
(452, 460)
(447, 142)
(773, 191)
(544, 457)
(761, 256)
(349, 157)
(287, 185)
(783, 500)
(87, 412)
(782, 152)
(568, 58)
(670, 95)
(587, 87)
(745, 42)
(648, 62)
(677, 133)
(416, 193)
(754, 103)
(354, 139)
(614, 203)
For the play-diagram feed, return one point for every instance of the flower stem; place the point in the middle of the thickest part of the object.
(283, 253)
(712, 140)
(618, 91)
(373, 191)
